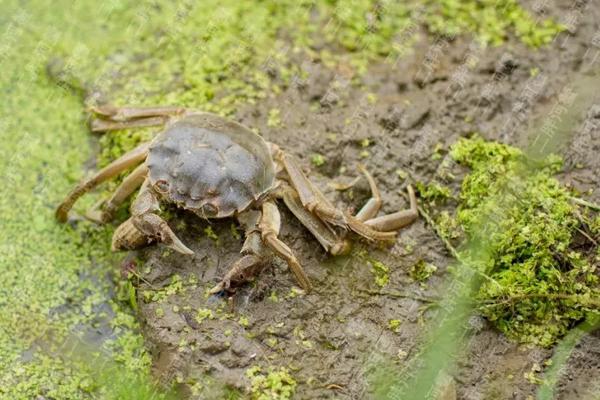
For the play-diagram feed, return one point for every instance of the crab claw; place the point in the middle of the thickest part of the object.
(172, 241)
(133, 234)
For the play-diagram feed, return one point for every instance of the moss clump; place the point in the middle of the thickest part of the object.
(422, 271)
(433, 191)
(318, 160)
(381, 272)
(276, 384)
(522, 219)
(204, 313)
(394, 325)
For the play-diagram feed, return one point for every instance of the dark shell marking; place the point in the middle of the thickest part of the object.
(210, 165)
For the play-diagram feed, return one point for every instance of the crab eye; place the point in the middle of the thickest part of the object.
(210, 209)
(161, 186)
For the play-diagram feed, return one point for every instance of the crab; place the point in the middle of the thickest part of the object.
(218, 168)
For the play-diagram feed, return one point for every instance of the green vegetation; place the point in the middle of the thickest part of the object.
(394, 324)
(175, 286)
(539, 284)
(204, 313)
(214, 55)
(422, 271)
(491, 21)
(276, 384)
(433, 191)
(381, 272)
(318, 160)
(229, 61)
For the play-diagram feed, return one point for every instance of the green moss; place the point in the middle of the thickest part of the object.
(433, 191)
(422, 271)
(381, 272)
(204, 313)
(274, 119)
(244, 321)
(540, 284)
(448, 226)
(394, 325)
(275, 384)
(318, 160)
(210, 233)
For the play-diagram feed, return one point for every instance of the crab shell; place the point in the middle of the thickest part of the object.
(209, 165)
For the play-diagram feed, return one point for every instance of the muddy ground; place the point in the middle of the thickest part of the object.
(329, 338)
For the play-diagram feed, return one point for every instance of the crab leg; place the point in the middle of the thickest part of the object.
(103, 125)
(323, 233)
(116, 118)
(397, 220)
(127, 113)
(315, 202)
(146, 220)
(253, 254)
(371, 208)
(127, 160)
(129, 185)
(269, 226)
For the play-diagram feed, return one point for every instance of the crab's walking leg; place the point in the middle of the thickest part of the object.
(116, 118)
(323, 233)
(373, 205)
(129, 185)
(269, 226)
(253, 254)
(397, 220)
(315, 202)
(145, 219)
(127, 160)
(103, 125)
(127, 113)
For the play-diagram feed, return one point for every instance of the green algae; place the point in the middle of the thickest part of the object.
(539, 284)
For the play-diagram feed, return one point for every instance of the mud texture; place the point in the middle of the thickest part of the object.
(397, 119)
